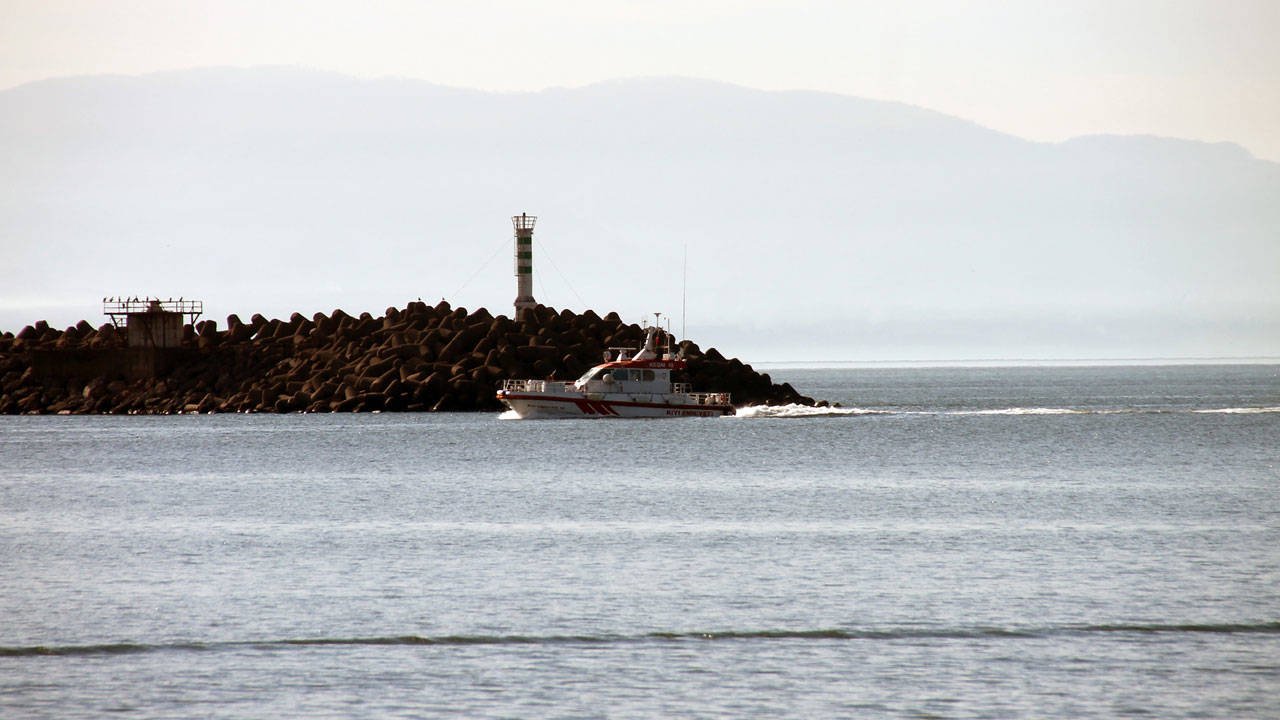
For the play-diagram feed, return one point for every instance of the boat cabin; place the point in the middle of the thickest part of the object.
(630, 377)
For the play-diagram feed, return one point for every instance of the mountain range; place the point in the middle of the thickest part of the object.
(776, 225)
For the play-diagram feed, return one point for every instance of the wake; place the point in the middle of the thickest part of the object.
(1243, 411)
(756, 412)
(805, 411)
(800, 411)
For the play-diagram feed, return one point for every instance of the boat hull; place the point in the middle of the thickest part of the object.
(548, 405)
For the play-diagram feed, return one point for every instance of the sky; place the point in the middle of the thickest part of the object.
(1197, 69)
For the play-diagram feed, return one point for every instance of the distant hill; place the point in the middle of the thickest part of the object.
(815, 225)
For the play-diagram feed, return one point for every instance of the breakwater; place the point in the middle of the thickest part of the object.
(419, 358)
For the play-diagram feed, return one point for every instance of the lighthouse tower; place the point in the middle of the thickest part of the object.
(524, 262)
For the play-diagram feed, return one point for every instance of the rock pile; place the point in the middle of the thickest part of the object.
(419, 358)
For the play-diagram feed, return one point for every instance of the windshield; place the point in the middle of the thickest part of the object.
(619, 375)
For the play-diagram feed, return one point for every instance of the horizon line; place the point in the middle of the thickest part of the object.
(1155, 361)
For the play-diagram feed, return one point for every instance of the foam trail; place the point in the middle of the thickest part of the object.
(509, 415)
(804, 411)
(799, 411)
(1030, 411)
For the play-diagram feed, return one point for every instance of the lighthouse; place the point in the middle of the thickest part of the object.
(524, 261)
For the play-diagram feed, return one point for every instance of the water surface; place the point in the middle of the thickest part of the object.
(997, 542)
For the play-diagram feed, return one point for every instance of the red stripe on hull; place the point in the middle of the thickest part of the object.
(606, 408)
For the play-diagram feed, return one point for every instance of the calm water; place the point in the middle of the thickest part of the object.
(1012, 542)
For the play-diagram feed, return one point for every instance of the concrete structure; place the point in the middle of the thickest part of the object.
(152, 322)
(524, 262)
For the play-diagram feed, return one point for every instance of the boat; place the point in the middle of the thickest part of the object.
(624, 386)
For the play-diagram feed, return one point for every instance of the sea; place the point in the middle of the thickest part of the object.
(949, 542)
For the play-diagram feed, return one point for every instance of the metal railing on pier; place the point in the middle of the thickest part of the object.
(120, 308)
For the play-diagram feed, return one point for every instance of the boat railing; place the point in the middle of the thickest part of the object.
(681, 388)
(709, 398)
(535, 386)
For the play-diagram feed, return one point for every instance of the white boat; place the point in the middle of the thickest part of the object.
(638, 386)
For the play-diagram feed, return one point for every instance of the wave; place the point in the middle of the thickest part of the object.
(828, 634)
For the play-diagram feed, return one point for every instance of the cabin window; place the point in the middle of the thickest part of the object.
(648, 375)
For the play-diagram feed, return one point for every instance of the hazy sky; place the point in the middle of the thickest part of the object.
(1200, 69)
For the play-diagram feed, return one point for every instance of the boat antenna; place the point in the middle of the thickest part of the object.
(684, 291)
